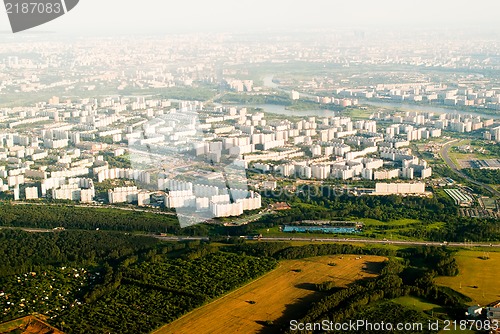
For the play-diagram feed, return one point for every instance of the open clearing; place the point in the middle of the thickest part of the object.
(276, 296)
(478, 278)
(415, 303)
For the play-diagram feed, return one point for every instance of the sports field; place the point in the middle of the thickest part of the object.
(478, 278)
(274, 297)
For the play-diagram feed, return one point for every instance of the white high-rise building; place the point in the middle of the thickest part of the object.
(495, 133)
(320, 172)
(407, 173)
(123, 195)
(31, 193)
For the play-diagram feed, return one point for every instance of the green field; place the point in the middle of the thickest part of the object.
(478, 278)
(399, 222)
(373, 229)
(415, 303)
(357, 113)
(421, 305)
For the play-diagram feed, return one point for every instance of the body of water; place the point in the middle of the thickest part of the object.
(280, 110)
(424, 108)
(268, 82)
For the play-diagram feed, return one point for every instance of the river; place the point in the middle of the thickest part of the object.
(276, 109)
(424, 108)
(280, 110)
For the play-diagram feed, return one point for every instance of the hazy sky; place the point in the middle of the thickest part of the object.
(150, 16)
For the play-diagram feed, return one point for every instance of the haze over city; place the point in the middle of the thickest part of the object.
(153, 16)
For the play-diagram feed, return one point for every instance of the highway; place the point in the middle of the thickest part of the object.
(444, 154)
(352, 241)
(305, 239)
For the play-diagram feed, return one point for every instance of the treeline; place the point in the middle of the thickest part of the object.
(284, 251)
(321, 206)
(156, 288)
(436, 259)
(459, 229)
(115, 282)
(281, 99)
(390, 312)
(343, 304)
(363, 299)
(392, 207)
(25, 252)
(73, 217)
(325, 203)
(488, 176)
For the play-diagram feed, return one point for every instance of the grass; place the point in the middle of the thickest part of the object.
(399, 222)
(277, 296)
(390, 230)
(357, 113)
(457, 157)
(415, 303)
(478, 279)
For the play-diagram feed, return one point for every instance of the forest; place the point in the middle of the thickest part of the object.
(85, 218)
(487, 176)
(27, 252)
(150, 294)
(325, 202)
(101, 282)
(285, 251)
(322, 206)
(370, 299)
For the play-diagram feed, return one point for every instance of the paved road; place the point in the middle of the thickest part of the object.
(312, 240)
(353, 241)
(445, 155)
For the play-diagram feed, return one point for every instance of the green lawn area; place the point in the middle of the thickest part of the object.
(357, 113)
(478, 279)
(415, 303)
(399, 222)
(421, 305)
(390, 230)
